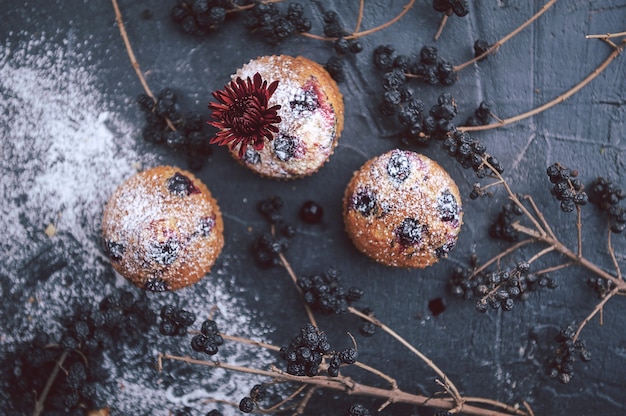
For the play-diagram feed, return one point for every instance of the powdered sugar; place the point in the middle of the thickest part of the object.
(62, 154)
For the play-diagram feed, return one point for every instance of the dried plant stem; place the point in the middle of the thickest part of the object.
(252, 342)
(286, 400)
(555, 268)
(355, 35)
(500, 256)
(597, 309)
(305, 400)
(617, 50)
(53, 375)
(505, 39)
(442, 24)
(606, 35)
(561, 248)
(546, 225)
(359, 18)
(294, 278)
(453, 390)
(349, 386)
(609, 244)
(133, 59)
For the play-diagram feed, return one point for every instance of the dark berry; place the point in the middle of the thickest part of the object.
(311, 212)
(246, 405)
(364, 201)
(399, 166)
(180, 185)
(409, 232)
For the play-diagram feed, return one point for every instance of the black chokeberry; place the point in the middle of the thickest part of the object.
(246, 405)
(311, 212)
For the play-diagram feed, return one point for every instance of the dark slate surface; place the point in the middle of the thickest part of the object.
(497, 355)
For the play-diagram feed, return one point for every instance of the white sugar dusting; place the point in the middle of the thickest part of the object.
(62, 153)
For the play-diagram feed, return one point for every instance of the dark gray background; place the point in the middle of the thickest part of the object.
(489, 355)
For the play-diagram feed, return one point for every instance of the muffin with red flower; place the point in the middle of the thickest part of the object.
(402, 209)
(281, 116)
(162, 229)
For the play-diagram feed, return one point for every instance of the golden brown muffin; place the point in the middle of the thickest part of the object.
(402, 209)
(162, 229)
(311, 117)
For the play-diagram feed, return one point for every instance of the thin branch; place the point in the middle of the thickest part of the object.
(502, 41)
(612, 253)
(555, 268)
(294, 278)
(454, 391)
(617, 50)
(501, 255)
(606, 35)
(442, 24)
(539, 214)
(252, 342)
(286, 400)
(561, 248)
(359, 18)
(53, 375)
(305, 400)
(404, 11)
(392, 382)
(597, 309)
(349, 386)
(537, 256)
(133, 59)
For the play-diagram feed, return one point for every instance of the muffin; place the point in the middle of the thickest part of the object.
(311, 117)
(402, 209)
(162, 229)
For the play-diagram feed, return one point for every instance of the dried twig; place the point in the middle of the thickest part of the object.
(617, 50)
(502, 41)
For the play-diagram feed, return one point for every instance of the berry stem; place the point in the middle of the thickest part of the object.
(617, 50)
(442, 24)
(539, 214)
(505, 39)
(561, 248)
(249, 341)
(355, 35)
(555, 268)
(294, 278)
(606, 35)
(609, 244)
(453, 390)
(133, 59)
(53, 375)
(359, 18)
(593, 313)
(500, 256)
(284, 401)
(346, 384)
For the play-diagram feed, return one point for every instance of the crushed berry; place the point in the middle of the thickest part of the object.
(305, 100)
(447, 206)
(410, 231)
(114, 250)
(365, 202)
(181, 185)
(399, 166)
(285, 147)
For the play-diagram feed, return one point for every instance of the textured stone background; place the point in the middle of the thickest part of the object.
(497, 355)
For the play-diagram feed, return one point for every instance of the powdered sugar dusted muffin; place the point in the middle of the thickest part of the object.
(402, 209)
(311, 115)
(162, 229)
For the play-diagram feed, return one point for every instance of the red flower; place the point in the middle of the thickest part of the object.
(242, 114)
